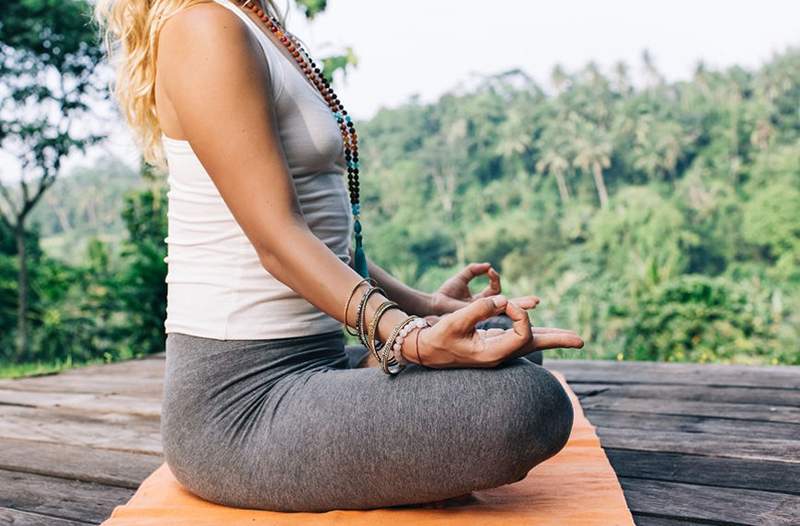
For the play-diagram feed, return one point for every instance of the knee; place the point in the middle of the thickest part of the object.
(538, 418)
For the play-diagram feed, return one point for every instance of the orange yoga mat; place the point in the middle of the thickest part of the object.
(577, 486)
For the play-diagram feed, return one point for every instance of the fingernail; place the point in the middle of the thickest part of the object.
(499, 300)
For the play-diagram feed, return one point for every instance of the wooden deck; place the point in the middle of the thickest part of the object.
(691, 444)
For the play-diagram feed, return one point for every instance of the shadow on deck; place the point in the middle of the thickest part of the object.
(692, 444)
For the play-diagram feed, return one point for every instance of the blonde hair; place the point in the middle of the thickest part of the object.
(130, 33)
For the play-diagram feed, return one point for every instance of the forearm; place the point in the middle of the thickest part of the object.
(306, 265)
(410, 299)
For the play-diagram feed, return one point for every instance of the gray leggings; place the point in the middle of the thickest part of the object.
(290, 425)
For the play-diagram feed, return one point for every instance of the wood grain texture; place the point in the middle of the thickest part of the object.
(694, 424)
(706, 375)
(693, 444)
(68, 499)
(117, 431)
(114, 468)
(778, 477)
(765, 413)
(9, 517)
(698, 393)
(709, 503)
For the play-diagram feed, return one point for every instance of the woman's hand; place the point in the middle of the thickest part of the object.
(454, 293)
(453, 341)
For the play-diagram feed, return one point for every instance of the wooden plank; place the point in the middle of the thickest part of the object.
(697, 393)
(89, 402)
(779, 477)
(9, 517)
(708, 503)
(113, 468)
(776, 413)
(150, 366)
(753, 447)
(146, 388)
(139, 378)
(693, 424)
(606, 372)
(114, 431)
(69, 499)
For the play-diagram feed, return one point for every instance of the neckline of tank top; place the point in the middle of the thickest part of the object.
(276, 46)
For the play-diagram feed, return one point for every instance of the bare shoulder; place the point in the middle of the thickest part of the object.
(206, 29)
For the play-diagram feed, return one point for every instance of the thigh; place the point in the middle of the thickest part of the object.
(357, 438)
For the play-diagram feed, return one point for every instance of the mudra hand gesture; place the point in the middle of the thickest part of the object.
(454, 341)
(455, 294)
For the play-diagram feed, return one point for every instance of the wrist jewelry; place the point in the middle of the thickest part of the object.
(394, 343)
(361, 314)
(388, 346)
(350, 299)
(416, 343)
(373, 326)
(418, 325)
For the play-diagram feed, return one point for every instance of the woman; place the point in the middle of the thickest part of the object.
(264, 405)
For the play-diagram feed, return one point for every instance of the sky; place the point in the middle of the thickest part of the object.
(426, 47)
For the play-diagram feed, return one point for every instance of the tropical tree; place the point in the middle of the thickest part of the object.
(593, 155)
(554, 159)
(659, 145)
(49, 56)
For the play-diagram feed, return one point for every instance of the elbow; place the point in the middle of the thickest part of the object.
(276, 251)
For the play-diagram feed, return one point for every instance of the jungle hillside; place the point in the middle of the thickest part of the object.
(658, 219)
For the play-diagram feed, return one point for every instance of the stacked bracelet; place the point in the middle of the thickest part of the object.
(395, 363)
(361, 314)
(389, 353)
(369, 281)
(373, 327)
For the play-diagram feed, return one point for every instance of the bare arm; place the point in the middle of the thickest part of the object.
(215, 79)
(215, 75)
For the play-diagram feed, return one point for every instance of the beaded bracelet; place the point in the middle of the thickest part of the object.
(394, 342)
(361, 314)
(397, 348)
(373, 326)
(370, 281)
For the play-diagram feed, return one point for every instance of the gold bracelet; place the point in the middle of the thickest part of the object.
(362, 315)
(350, 299)
(373, 326)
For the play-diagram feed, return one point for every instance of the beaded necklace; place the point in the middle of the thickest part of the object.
(346, 126)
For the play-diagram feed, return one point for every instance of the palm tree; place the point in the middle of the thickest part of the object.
(658, 147)
(593, 154)
(555, 161)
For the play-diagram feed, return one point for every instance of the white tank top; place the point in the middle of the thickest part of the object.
(216, 284)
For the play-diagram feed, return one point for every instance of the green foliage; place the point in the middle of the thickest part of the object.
(142, 287)
(659, 222)
(312, 8)
(694, 318)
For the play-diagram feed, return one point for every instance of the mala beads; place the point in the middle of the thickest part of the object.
(345, 122)
(389, 354)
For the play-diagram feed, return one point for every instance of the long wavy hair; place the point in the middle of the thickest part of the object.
(130, 30)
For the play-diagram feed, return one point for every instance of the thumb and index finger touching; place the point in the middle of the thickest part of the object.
(485, 308)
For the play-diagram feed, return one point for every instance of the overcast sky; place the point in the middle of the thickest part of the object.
(426, 47)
